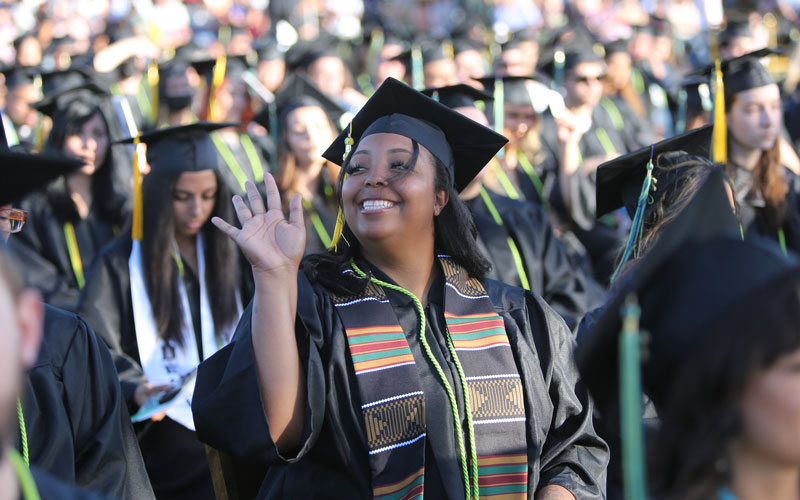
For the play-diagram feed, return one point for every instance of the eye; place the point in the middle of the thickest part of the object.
(180, 196)
(355, 168)
(399, 165)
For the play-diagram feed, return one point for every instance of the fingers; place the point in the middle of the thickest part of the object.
(296, 211)
(225, 227)
(242, 211)
(254, 197)
(273, 195)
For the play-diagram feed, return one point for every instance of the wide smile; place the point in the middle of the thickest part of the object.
(372, 206)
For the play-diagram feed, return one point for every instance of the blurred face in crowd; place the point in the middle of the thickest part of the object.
(619, 70)
(387, 67)
(90, 144)
(178, 91)
(20, 335)
(193, 201)
(584, 84)
(737, 46)
(18, 105)
(440, 73)
(29, 52)
(308, 133)
(771, 412)
(233, 98)
(641, 46)
(754, 117)
(271, 73)
(328, 74)
(470, 65)
(519, 118)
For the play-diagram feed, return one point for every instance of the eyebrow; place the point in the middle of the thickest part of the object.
(393, 150)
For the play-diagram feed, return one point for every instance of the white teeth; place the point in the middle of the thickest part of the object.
(376, 204)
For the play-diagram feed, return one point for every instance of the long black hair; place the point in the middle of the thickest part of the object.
(107, 196)
(453, 229)
(161, 271)
(701, 416)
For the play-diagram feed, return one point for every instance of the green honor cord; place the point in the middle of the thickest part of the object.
(465, 468)
(319, 227)
(523, 276)
(527, 167)
(23, 433)
(26, 482)
(630, 387)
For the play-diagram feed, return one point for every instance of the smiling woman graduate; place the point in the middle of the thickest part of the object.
(391, 367)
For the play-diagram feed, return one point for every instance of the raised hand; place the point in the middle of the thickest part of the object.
(270, 242)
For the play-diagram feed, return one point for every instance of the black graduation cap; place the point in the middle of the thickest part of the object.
(735, 29)
(516, 88)
(465, 44)
(437, 50)
(17, 76)
(296, 91)
(457, 96)
(619, 181)
(460, 143)
(616, 47)
(519, 37)
(698, 267)
(742, 73)
(56, 81)
(21, 173)
(268, 50)
(183, 148)
(304, 53)
(234, 67)
(88, 91)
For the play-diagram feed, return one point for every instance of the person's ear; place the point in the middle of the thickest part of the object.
(30, 317)
(440, 201)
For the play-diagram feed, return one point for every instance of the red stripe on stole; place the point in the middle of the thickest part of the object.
(503, 479)
(476, 326)
(378, 346)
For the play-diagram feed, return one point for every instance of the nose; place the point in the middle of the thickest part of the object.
(375, 177)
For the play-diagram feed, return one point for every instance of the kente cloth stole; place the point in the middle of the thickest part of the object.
(393, 403)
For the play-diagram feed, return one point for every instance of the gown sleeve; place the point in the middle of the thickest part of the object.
(228, 389)
(107, 456)
(573, 454)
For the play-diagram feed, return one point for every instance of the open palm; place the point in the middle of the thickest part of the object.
(270, 242)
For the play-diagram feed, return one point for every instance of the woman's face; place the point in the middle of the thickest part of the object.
(386, 199)
(232, 97)
(771, 411)
(308, 132)
(193, 201)
(519, 118)
(90, 144)
(754, 118)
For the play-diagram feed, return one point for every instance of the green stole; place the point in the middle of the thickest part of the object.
(493, 447)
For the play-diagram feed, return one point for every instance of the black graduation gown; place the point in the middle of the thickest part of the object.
(550, 272)
(51, 488)
(78, 427)
(754, 219)
(175, 460)
(41, 248)
(333, 460)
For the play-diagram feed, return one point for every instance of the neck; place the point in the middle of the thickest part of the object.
(306, 179)
(580, 109)
(180, 117)
(130, 85)
(472, 190)
(510, 157)
(230, 135)
(745, 157)
(405, 267)
(80, 191)
(10, 489)
(756, 476)
(187, 246)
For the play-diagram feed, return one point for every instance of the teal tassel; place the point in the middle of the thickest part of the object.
(635, 236)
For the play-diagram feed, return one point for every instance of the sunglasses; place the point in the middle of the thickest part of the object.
(12, 219)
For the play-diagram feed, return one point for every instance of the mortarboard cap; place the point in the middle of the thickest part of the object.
(295, 92)
(88, 92)
(437, 50)
(463, 145)
(184, 148)
(735, 29)
(457, 96)
(522, 90)
(466, 44)
(54, 82)
(269, 50)
(22, 173)
(18, 76)
(742, 73)
(682, 284)
(619, 181)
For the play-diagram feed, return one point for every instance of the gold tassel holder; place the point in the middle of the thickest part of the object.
(720, 136)
(152, 82)
(218, 77)
(339, 228)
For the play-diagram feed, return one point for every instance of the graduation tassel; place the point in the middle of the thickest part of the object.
(152, 82)
(630, 404)
(216, 82)
(499, 109)
(417, 74)
(635, 236)
(720, 137)
(136, 229)
(339, 228)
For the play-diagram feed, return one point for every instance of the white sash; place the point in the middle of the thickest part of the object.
(166, 362)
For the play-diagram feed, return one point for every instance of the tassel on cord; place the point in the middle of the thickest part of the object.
(635, 236)
(720, 127)
(216, 82)
(339, 228)
(137, 228)
(152, 82)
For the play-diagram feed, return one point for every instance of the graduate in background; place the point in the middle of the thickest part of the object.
(78, 213)
(171, 299)
(72, 421)
(477, 374)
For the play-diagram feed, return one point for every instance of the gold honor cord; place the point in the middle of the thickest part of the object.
(138, 217)
(26, 482)
(319, 227)
(217, 78)
(74, 254)
(152, 82)
(512, 246)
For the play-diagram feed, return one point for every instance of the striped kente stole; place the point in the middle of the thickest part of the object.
(393, 404)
